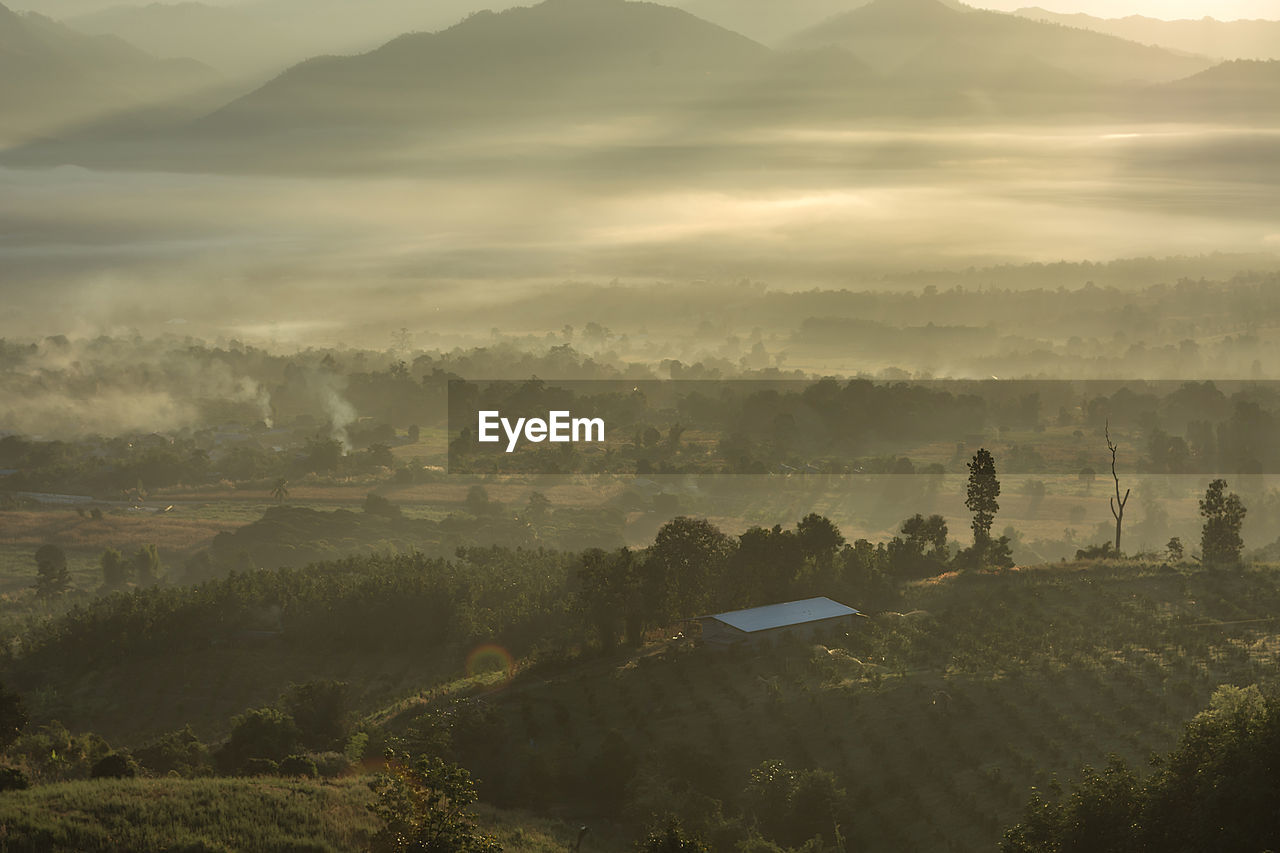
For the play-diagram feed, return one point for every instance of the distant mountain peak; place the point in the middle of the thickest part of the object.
(1243, 39)
(896, 36)
(568, 56)
(905, 4)
(911, 7)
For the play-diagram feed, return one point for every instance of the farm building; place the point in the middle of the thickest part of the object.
(790, 619)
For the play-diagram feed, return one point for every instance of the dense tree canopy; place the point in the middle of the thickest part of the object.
(682, 566)
(1216, 791)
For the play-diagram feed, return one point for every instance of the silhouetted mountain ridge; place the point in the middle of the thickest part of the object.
(260, 37)
(559, 55)
(578, 63)
(1258, 39)
(51, 75)
(772, 21)
(1242, 89)
(894, 35)
(225, 37)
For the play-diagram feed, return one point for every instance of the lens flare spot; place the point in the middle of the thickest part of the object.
(491, 658)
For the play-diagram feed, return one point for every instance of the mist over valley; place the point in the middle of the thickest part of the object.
(931, 352)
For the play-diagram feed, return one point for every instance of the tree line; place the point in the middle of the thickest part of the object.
(690, 568)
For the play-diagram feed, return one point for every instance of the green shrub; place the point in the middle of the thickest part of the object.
(330, 765)
(13, 779)
(262, 733)
(179, 752)
(116, 765)
(320, 709)
(260, 767)
(299, 765)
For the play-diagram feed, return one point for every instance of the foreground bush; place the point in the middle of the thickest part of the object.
(1217, 791)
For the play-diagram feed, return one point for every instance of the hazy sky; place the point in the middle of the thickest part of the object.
(1220, 9)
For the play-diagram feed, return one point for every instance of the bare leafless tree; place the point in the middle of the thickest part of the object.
(1117, 503)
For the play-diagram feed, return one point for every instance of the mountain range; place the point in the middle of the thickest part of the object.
(51, 75)
(1241, 90)
(561, 56)
(568, 63)
(897, 35)
(260, 38)
(594, 56)
(769, 21)
(1203, 36)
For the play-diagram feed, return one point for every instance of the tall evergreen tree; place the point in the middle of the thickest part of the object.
(1220, 542)
(983, 490)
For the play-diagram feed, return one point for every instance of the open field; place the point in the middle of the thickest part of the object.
(576, 491)
(172, 532)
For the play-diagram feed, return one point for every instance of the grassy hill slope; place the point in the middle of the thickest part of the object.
(937, 721)
(183, 814)
(936, 715)
(263, 814)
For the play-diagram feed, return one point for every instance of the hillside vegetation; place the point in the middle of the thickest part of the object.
(936, 722)
(216, 815)
(928, 723)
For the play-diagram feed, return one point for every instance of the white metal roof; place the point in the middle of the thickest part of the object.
(781, 615)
